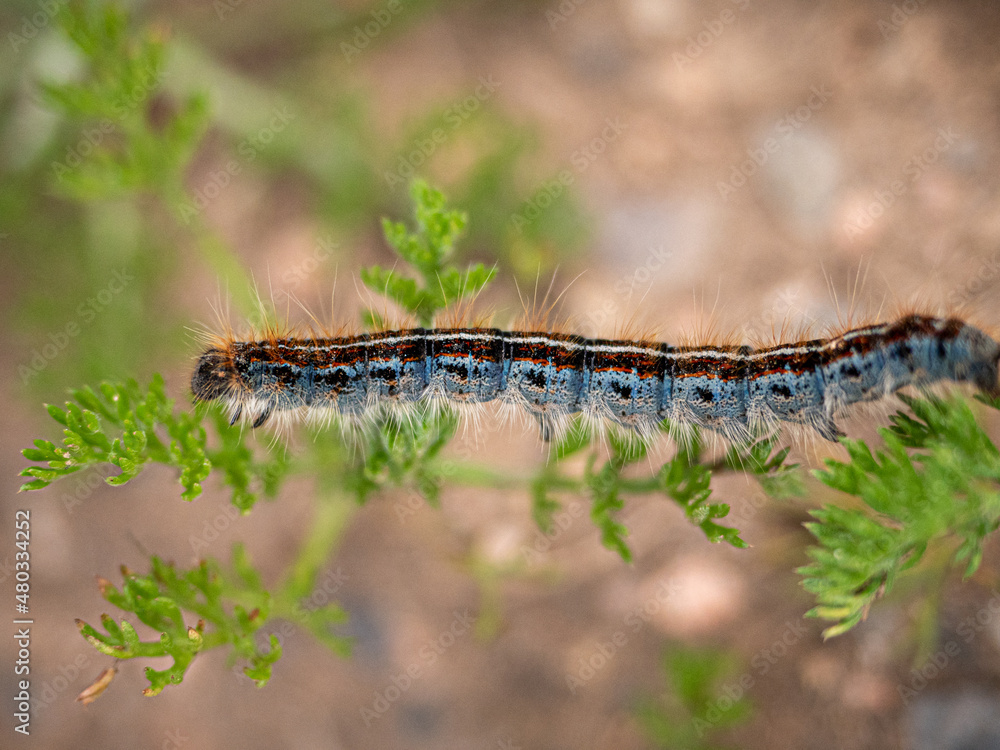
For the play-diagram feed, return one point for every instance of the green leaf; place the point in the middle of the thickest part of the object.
(698, 704)
(123, 426)
(937, 479)
(160, 599)
(427, 250)
(123, 74)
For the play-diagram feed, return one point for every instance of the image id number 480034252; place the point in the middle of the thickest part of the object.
(22, 589)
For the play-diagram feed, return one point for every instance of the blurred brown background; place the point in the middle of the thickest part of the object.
(740, 161)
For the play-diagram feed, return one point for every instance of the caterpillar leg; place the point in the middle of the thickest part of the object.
(263, 416)
(544, 427)
(826, 427)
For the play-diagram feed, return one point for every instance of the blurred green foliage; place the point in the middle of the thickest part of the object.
(123, 133)
(704, 697)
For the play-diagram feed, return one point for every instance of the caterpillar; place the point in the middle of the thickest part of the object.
(735, 391)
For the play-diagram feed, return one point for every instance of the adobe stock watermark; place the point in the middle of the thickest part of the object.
(33, 24)
(455, 115)
(785, 306)
(92, 138)
(83, 487)
(59, 684)
(656, 258)
(596, 318)
(901, 13)
(747, 508)
(602, 652)
(248, 149)
(86, 313)
(761, 663)
(986, 275)
(414, 501)
(363, 34)
(781, 131)
(321, 595)
(225, 8)
(409, 506)
(580, 160)
(427, 655)
(211, 530)
(562, 12)
(712, 29)
(562, 520)
(174, 739)
(968, 629)
(299, 272)
(913, 170)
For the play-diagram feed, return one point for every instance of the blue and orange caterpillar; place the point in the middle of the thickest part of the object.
(736, 391)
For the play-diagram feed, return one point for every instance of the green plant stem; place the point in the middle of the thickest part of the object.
(927, 623)
(223, 263)
(479, 475)
(333, 512)
(210, 640)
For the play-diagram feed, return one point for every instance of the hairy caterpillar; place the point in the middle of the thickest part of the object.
(732, 390)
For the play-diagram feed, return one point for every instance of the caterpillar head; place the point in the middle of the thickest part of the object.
(214, 377)
(981, 367)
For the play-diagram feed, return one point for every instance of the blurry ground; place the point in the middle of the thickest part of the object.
(736, 157)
